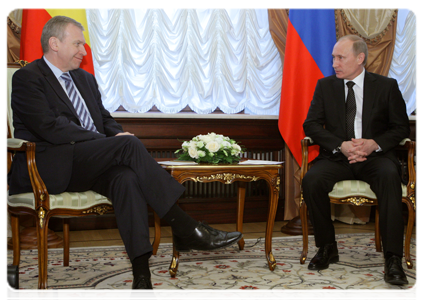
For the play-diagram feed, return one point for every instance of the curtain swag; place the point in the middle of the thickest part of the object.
(370, 41)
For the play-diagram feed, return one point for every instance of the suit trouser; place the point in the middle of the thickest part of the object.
(121, 169)
(383, 176)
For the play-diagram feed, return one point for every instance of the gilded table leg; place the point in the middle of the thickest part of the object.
(273, 205)
(173, 268)
(240, 212)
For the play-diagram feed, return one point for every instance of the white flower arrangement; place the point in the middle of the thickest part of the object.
(211, 148)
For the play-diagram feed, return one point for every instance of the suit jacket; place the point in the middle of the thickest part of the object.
(43, 113)
(384, 115)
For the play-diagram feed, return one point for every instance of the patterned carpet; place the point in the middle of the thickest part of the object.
(360, 267)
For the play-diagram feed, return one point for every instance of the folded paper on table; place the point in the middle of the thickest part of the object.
(177, 163)
(260, 162)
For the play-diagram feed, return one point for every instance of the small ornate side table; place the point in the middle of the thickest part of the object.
(228, 174)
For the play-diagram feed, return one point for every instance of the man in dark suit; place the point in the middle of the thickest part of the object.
(357, 118)
(79, 146)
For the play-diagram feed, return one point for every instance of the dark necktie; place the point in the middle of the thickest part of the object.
(350, 109)
(81, 110)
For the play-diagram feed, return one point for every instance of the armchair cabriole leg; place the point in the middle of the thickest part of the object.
(304, 225)
(66, 242)
(14, 220)
(42, 251)
(377, 231)
(157, 233)
(409, 232)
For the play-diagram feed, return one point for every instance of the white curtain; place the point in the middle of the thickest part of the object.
(206, 59)
(403, 65)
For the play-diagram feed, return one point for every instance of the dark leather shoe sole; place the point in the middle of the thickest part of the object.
(316, 267)
(395, 280)
(142, 289)
(184, 250)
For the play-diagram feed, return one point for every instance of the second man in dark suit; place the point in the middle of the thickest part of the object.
(357, 118)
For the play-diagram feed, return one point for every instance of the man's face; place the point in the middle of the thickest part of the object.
(345, 63)
(71, 50)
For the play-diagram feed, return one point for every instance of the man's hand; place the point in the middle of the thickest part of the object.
(367, 147)
(357, 150)
(352, 152)
(124, 133)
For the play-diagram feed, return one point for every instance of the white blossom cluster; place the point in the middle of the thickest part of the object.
(208, 146)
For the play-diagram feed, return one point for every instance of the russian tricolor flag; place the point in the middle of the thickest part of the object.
(310, 39)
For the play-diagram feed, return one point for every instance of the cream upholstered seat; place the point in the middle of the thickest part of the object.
(344, 189)
(42, 205)
(359, 193)
(83, 201)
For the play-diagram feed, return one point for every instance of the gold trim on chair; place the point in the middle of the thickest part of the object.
(358, 201)
(100, 210)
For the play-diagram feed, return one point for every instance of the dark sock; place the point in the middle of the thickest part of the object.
(140, 265)
(389, 254)
(182, 224)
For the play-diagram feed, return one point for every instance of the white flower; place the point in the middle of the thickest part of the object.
(226, 144)
(236, 149)
(213, 146)
(201, 153)
(205, 138)
(185, 145)
(219, 139)
(193, 152)
(200, 144)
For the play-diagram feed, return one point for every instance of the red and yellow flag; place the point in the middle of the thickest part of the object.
(33, 21)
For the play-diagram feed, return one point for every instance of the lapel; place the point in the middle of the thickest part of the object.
(368, 100)
(55, 84)
(339, 99)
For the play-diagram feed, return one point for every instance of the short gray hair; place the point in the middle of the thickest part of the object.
(359, 46)
(55, 27)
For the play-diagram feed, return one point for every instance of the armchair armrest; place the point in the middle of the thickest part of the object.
(39, 189)
(411, 153)
(404, 141)
(15, 144)
(305, 143)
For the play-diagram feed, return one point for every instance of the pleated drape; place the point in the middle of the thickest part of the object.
(205, 59)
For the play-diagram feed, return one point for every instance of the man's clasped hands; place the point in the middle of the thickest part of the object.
(357, 150)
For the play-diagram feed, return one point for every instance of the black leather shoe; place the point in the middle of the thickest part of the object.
(142, 289)
(326, 255)
(206, 238)
(394, 273)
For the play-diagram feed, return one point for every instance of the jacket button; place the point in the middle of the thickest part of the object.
(72, 142)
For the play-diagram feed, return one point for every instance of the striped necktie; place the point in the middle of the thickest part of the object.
(350, 109)
(81, 110)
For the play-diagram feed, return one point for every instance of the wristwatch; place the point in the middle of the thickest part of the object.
(337, 149)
